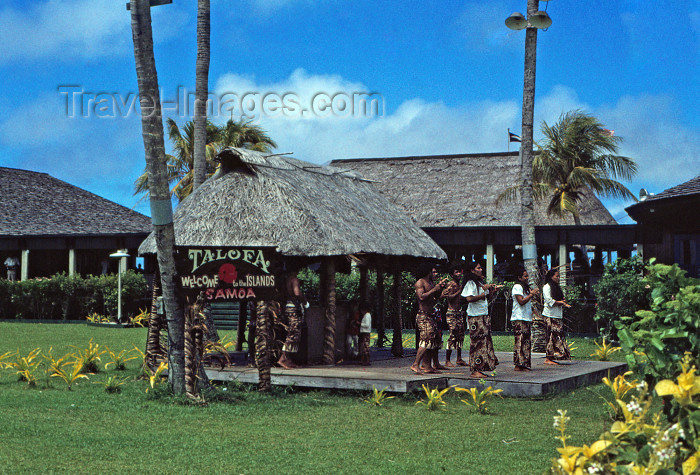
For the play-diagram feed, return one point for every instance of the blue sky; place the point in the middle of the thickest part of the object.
(449, 75)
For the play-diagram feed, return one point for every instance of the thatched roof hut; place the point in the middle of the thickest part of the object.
(298, 208)
(461, 190)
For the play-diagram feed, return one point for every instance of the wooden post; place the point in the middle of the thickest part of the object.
(262, 346)
(242, 319)
(329, 314)
(563, 258)
(364, 284)
(397, 343)
(489, 262)
(24, 265)
(381, 310)
(71, 262)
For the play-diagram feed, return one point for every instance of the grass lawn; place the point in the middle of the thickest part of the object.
(48, 428)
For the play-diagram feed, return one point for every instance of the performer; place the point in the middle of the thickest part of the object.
(521, 320)
(365, 332)
(428, 293)
(293, 314)
(481, 354)
(454, 316)
(554, 305)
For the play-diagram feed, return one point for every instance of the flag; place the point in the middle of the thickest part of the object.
(513, 137)
(608, 132)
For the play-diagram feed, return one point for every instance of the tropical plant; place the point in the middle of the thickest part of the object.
(140, 319)
(57, 369)
(655, 341)
(119, 360)
(113, 384)
(577, 153)
(619, 292)
(639, 443)
(25, 366)
(433, 400)
(480, 399)
(604, 350)
(377, 398)
(90, 356)
(239, 133)
(95, 317)
(156, 378)
(619, 387)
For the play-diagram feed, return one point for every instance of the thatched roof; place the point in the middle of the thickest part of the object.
(37, 204)
(299, 208)
(460, 190)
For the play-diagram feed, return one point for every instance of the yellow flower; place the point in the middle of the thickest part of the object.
(598, 446)
(683, 392)
(692, 464)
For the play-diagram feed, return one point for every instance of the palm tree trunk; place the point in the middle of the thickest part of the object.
(397, 339)
(161, 206)
(154, 350)
(329, 314)
(201, 93)
(262, 346)
(527, 211)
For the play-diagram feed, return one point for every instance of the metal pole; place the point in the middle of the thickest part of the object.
(119, 295)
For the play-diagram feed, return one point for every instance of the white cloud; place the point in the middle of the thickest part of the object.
(75, 29)
(665, 149)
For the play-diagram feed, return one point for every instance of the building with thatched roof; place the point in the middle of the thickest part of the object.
(52, 226)
(670, 225)
(297, 208)
(454, 198)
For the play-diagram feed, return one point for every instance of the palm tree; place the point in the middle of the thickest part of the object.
(243, 134)
(201, 92)
(181, 164)
(161, 207)
(577, 154)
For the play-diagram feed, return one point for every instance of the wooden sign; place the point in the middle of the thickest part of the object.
(227, 273)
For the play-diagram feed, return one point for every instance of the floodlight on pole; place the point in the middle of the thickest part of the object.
(121, 254)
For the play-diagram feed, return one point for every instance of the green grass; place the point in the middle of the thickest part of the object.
(86, 430)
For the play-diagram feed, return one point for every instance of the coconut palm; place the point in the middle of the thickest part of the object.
(181, 164)
(242, 134)
(202, 90)
(577, 153)
(153, 141)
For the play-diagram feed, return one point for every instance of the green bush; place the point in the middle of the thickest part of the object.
(63, 297)
(656, 340)
(619, 292)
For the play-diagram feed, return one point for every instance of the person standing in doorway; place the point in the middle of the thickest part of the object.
(12, 265)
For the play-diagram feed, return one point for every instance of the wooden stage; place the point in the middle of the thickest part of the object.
(395, 375)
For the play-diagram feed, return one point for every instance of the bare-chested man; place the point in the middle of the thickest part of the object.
(293, 315)
(428, 293)
(454, 316)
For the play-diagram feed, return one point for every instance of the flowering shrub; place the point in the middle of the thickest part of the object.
(655, 340)
(641, 443)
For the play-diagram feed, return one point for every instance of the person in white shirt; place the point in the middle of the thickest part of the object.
(12, 264)
(554, 304)
(365, 332)
(521, 320)
(482, 356)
